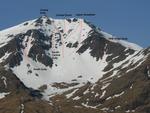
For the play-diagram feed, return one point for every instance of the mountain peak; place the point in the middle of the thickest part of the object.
(70, 27)
(43, 20)
(74, 60)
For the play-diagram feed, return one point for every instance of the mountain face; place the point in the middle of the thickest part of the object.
(68, 66)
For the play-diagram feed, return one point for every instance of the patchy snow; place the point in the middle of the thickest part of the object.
(105, 109)
(4, 81)
(92, 92)
(131, 86)
(96, 95)
(93, 86)
(71, 94)
(78, 106)
(87, 106)
(3, 58)
(86, 91)
(129, 111)
(117, 107)
(22, 108)
(117, 95)
(108, 98)
(103, 94)
(2, 95)
(105, 86)
(76, 98)
(115, 57)
(123, 64)
(52, 91)
(138, 58)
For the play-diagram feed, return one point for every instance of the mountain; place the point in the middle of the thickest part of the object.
(68, 66)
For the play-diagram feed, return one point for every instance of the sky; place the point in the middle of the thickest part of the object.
(122, 18)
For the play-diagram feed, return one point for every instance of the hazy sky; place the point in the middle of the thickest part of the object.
(123, 18)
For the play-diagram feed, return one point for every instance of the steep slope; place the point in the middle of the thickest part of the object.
(127, 91)
(75, 63)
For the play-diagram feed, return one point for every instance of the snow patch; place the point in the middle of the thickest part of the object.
(103, 94)
(4, 81)
(86, 91)
(2, 59)
(105, 86)
(76, 98)
(71, 94)
(2, 95)
(87, 106)
(22, 108)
